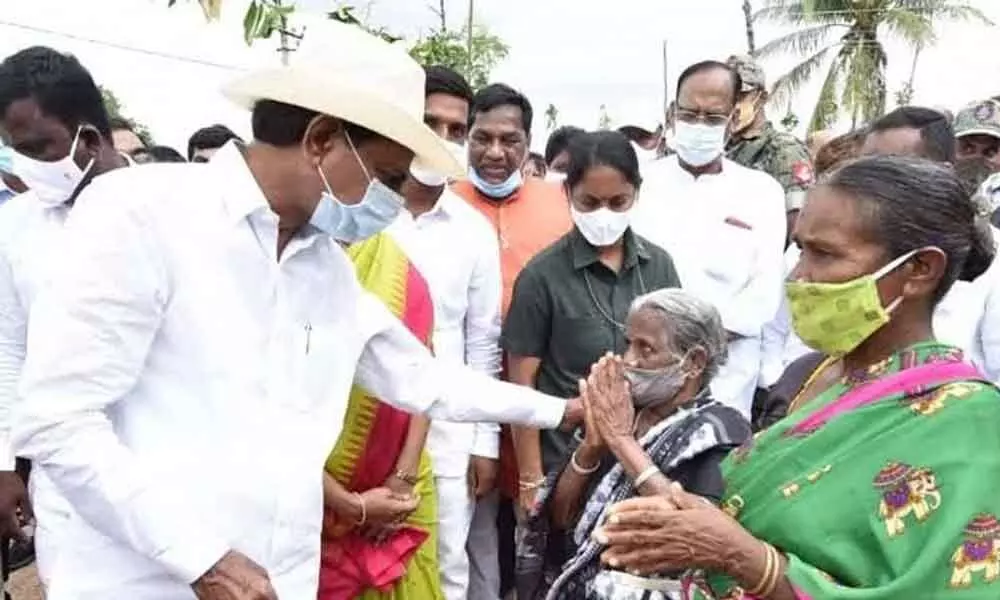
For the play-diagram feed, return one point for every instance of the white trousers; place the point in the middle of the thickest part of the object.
(455, 508)
(484, 550)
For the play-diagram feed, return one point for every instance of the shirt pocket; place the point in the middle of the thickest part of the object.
(577, 342)
(730, 255)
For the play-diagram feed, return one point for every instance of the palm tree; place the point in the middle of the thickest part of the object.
(847, 36)
(551, 117)
(748, 19)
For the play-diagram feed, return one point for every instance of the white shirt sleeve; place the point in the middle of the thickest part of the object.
(757, 303)
(482, 333)
(989, 323)
(396, 368)
(91, 331)
(13, 329)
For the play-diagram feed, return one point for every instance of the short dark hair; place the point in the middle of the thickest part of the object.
(283, 125)
(838, 151)
(499, 94)
(559, 140)
(160, 154)
(937, 136)
(711, 65)
(440, 79)
(913, 203)
(210, 138)
(60, 85)
(602, 148)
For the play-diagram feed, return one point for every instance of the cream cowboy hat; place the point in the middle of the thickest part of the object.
(343, 71)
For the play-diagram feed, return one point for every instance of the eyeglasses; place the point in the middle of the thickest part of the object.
(693, 116)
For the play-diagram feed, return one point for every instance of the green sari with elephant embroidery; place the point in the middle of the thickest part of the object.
(898, 498)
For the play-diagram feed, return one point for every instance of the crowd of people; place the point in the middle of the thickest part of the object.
(384, 351)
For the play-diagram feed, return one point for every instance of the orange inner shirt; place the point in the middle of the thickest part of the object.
(531, 219)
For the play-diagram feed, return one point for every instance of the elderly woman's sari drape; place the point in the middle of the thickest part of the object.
(884, 487)
(566, 565)
(403, 567)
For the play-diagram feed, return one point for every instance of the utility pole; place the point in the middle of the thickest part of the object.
(468, 41)
(666, 82)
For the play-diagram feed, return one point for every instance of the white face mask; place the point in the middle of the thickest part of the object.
(53, 183)
(601, 227)
(433, 178)
(698, 144)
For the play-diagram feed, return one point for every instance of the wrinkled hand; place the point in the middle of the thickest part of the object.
(666, 533)
(234, 577)
(609, 399)
(15, 509)
(483, 474)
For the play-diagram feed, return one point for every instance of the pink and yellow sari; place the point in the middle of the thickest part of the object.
(405, 566)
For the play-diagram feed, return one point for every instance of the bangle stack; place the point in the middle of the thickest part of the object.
(530, 484)
(364, 509)
(645, 476)
(580, 469)
(407, 478)
(772, 574)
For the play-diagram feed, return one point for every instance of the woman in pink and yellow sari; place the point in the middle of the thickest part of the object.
(379, 537)
(881, 483)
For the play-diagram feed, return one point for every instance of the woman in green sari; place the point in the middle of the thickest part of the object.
(882, 482)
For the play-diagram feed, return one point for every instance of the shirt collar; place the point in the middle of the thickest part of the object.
(240, 192)
(585, 255)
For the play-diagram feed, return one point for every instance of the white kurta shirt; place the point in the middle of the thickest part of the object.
(184, 385)
(456, 250)
(726, 234)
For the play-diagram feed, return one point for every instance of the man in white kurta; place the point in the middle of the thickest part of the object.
(190, 362)
(453, 247)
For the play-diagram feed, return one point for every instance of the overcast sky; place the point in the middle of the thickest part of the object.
(576, 55)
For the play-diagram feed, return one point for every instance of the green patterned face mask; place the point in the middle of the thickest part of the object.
(835, 318)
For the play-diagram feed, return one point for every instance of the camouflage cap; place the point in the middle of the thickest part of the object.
(979, 118)
(750, 72)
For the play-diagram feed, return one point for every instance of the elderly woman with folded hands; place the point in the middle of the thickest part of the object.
(663, 424)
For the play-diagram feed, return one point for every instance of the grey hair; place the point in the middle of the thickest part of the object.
(689, 323)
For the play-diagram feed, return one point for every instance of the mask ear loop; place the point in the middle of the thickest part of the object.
(73, 147)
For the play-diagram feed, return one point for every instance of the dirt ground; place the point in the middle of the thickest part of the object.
(24, 585)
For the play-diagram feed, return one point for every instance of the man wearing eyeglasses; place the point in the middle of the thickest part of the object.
(723, 224)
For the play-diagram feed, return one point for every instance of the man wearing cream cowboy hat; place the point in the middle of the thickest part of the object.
(191, 360)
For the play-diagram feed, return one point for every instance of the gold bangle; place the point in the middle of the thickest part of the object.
(775, 573)
(407, 478)
(364, 509)
(531, 485)
(766, 577)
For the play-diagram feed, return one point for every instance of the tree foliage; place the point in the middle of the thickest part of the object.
(845, 38)
(115, 110)
(451, 49)
(474, 56)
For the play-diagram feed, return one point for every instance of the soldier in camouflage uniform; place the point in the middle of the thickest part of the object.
(757, 144)
(977, 130)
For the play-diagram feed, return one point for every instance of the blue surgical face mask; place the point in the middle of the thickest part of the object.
(350, 223)
(6, 159)
(497, 191)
